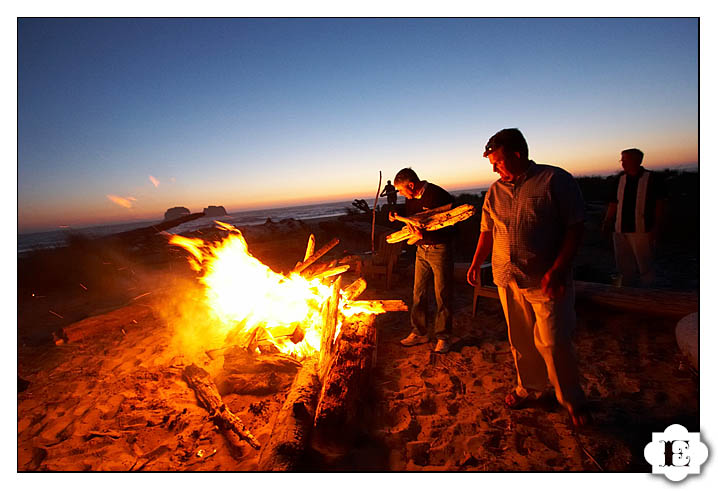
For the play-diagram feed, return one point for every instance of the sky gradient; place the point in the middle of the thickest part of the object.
(120, 119)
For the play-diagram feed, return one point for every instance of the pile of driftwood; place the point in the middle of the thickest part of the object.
(323, 391)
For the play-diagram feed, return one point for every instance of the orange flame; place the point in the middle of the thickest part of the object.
(250, 301)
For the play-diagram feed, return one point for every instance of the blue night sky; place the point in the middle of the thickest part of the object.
(120, 119)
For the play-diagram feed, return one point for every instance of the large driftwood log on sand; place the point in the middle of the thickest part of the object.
(330, 316)
(646, 301)
(346, 382)
(432, 220)
(201, 382)
(640, 300)
(136, 234)
(293, 425)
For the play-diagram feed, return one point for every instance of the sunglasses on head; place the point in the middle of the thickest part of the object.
(490, 148)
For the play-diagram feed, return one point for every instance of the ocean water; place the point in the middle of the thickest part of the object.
(58, 238)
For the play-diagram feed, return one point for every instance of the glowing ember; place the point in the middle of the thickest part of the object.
(252, 303)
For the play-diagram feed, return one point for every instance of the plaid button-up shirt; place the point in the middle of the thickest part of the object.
(528, 219)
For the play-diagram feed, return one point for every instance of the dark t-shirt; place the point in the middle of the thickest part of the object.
(656, 191)
(433, 197)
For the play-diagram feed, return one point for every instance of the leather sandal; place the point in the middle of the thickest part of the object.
(515, 401)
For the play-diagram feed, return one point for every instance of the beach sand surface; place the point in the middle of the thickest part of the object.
(116, 400)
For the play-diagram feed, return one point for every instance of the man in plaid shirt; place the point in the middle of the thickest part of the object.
(532, 223)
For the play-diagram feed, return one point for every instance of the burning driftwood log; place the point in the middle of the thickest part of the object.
(325, 270)
(432, 220)
(293, 425)
(311, 242)
(334, 271)
(346, 381)
(355, 289)
(330, 317)
(379, 305)
(314, 257)
(201, 382)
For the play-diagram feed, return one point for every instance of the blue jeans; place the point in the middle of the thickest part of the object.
(437, 261)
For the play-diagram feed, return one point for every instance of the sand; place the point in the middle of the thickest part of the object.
(116, 401)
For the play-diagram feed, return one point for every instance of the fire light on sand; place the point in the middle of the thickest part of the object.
(255, 307)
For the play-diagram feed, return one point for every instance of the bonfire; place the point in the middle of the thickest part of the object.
(285, 321)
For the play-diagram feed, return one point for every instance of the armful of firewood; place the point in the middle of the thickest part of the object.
(418, 220)
(393, 217)
(434, 219)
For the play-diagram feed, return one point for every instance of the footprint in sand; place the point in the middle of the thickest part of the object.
(549, 437)
(427, 406)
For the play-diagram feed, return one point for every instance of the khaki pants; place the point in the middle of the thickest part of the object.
(634, 257)
(540, 332)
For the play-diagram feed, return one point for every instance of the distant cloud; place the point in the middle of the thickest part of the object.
(123, 202)
(155, 181)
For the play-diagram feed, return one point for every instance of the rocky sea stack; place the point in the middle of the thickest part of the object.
(214, 211)
(176, 212)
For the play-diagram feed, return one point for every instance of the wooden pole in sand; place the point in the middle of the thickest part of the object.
(373, 214)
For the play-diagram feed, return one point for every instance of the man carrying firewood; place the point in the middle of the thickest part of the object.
(434, 257)
(532, 223)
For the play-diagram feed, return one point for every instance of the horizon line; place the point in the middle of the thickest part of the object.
(478, 185)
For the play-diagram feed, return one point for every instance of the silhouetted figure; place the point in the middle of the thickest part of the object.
(390, 193)
(532, 223)
(636, 214)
